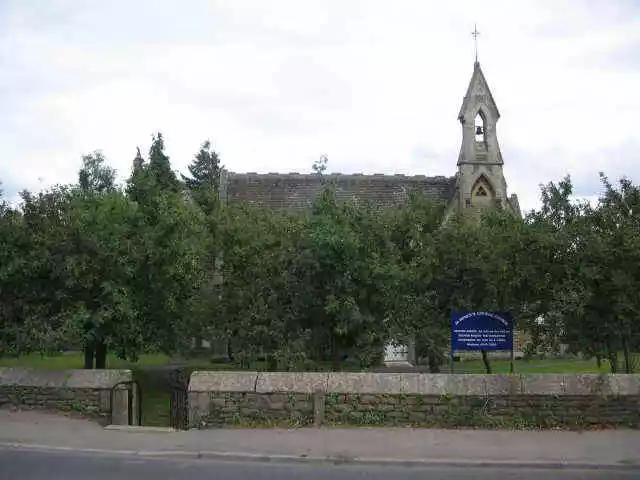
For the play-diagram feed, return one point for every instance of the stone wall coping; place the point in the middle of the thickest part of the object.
(300, 382)
(203, 381)
(416, 383)
(96, 379)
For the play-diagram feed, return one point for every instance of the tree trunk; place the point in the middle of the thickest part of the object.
(229, 351)
(88, 357)
(432, 360)
(335, 355)
(485, 360)
(101, 355)
(613, 361)
(627, 355)
(335, 364)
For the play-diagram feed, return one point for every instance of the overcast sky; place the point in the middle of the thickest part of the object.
(375, 85)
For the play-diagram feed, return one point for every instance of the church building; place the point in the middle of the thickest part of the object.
(478, 183)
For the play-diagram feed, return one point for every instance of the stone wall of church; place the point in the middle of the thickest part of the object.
(218, 399)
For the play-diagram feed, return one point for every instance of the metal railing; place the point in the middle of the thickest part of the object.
(179, 409)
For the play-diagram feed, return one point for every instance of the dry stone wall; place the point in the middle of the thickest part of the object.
(218, 399)
(89, 392)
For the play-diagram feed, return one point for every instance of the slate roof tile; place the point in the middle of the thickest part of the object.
(297, 191)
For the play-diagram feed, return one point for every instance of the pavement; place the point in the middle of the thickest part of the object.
(37, 431)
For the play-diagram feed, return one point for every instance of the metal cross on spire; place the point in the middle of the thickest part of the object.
(475, 34)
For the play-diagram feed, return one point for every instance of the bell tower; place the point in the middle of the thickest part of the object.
(481, 183)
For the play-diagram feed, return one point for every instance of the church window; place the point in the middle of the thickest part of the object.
(480, 128)
(482, 190)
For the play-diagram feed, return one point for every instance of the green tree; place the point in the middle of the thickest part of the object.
(588, 275)
(258, 311)
(204, 179)
(13, 256)
(137, 264)
(140, 185)
(204, 189)
(172, 239)
(32, 274)
(88, 265)
(300, 287)
(557, 266)
(606, 247)
(617, 223)
(100, 265)
(160, 166)
(149, 179)
(461, 265)
(343, 265)
(170, 275)
(411, 298)
(95, 176)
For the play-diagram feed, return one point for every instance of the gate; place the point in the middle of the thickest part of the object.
(164, 396)
(179, 409)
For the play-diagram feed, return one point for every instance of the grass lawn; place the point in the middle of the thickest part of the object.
(75, 361)
(551, 365)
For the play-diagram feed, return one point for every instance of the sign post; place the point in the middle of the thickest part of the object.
(511, 369)
(476, 331)
(451, 358)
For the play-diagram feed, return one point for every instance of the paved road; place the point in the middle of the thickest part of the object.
(41, 465)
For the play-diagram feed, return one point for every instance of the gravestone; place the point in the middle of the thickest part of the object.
(397, 355)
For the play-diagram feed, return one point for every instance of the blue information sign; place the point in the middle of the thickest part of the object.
(481, 331)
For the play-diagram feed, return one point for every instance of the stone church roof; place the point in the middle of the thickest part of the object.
(297, 191)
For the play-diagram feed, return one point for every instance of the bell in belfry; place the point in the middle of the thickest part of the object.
(479, 130)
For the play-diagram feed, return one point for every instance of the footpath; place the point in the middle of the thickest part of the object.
(31, 429)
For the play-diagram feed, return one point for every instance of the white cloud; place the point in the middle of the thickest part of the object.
(375, 85)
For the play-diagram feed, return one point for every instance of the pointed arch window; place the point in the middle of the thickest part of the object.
(482, 190)
(480, 127)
